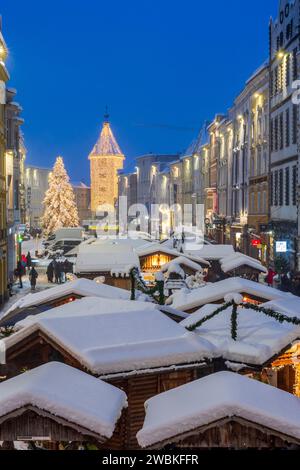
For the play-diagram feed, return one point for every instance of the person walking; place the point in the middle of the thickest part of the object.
(50, 272)
(57, 272)
(19, 272)
(270, 277)
(33, 275)
(28, 260)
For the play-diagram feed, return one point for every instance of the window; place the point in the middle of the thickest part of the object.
(295, 117)
(287, 186)
(287, 128)
(281, 39)
(252, 203)
(294, 189)
(295, 69)
(252, 173)
(287, 70)
(287, 10)
(272, 83)
(264, 163)
(272, 135)
(276, 189)
(264, 202)
(280, 77)
(281, 138)
(276, 134)
(258, 202)
(281, 187)
(272, 190)
(258, 171)
(276, 81)
(16, 194)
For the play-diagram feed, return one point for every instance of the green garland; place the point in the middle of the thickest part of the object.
(208, 317)
(280, 317)
(6, 331)
(136, 281)
(234, 316)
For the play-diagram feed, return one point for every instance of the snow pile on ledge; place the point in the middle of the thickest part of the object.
(215, 397)
(81, 287)
(177, 266)
(259, 337)
(214, 292)
(237, 260)
(133, 336)
(68, 393)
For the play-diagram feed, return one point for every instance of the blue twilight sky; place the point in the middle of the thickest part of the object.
(161, 66)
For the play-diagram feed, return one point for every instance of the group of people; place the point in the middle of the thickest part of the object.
(25, 264)
(287, 282)
(58, 269)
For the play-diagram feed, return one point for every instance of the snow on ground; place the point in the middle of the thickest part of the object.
(68, 393)
(215, 397)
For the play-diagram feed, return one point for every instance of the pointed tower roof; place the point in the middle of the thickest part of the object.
(106, 144)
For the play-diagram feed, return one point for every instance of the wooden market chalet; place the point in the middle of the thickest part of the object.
(81, 335)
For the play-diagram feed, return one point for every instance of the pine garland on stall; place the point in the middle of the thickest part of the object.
(280, 317)
(60, 208)
(136, 281)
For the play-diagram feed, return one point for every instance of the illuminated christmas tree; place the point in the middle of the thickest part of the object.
(60, 208)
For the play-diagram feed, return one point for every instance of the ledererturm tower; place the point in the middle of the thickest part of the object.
(106, 159)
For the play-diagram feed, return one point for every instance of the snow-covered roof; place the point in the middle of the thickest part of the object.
(134, 336)
(155, 247)
(289, 305)
(212, 252)
(67, 393)
(81, 287)
(106, 257)
(89, 306)
(214, 292)
(181, 261)
(216, 397)
(106, 144)
(259, 337)
(162, 248)
(237, 260)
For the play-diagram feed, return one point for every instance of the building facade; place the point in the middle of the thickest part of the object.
(106, 159)
(284, 133)
(36, 185)
(15, 157)
(82, 194)
(153, 190)
(4, 76)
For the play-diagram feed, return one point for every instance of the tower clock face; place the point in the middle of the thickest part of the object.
(2, 92)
